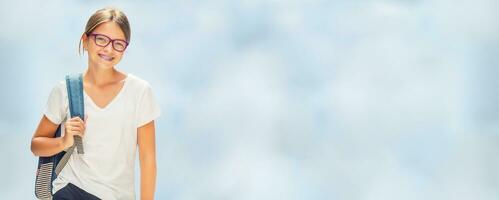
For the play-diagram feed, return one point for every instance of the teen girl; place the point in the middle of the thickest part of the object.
(120, 112)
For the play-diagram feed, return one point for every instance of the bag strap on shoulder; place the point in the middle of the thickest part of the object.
(74, 84)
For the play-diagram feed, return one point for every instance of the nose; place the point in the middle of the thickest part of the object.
(108, 47)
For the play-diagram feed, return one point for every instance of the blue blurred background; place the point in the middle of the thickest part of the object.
(282, 99)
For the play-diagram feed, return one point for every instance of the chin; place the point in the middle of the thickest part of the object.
(105, 65)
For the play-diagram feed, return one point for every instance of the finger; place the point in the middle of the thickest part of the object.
(79, 119)
(81, 130)
(74, 129)
(75, 120)
(78, 123)
(78, 128)
(78, 133)
(81, 122)
(69, 126)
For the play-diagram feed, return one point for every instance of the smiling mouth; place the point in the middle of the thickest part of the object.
(106, 58)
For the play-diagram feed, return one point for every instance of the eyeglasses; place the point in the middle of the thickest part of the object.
(103, 40)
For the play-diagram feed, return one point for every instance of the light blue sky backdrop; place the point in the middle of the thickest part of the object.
(282, 99)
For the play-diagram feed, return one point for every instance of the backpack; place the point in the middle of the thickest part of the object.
(49, 167)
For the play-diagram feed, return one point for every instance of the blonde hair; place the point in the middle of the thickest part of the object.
(108, 14)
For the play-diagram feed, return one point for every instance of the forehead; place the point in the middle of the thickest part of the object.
(111, 29)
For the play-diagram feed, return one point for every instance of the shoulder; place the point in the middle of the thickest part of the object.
(59, 88)
(137, 83)
(60, 85)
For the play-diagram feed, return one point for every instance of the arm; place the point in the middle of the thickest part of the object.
(43, 142)
(147, 155)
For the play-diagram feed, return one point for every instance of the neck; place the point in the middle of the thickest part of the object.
(100, 76)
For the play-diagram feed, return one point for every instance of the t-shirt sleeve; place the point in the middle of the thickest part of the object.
(148, 109)
(54, 109)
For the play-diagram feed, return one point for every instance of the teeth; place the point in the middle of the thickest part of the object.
(108, 58)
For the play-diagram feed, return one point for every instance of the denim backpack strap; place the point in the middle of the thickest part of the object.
(74, 84)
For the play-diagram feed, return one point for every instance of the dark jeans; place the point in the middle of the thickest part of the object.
(71, 192)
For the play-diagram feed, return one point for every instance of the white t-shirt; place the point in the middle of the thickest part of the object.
(107, 167)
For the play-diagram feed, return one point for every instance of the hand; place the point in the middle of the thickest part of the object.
(74, 126)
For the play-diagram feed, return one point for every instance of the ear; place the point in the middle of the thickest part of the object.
(84, 39)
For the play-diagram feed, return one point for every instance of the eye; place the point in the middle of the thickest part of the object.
(119, 45)
(102, 40)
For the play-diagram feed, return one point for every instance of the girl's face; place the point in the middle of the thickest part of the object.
(105, 45)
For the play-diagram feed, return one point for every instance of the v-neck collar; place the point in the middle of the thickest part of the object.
(115, 98)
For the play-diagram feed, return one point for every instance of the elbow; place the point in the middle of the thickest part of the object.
(35, 147)
(32, 147)
(148, 161)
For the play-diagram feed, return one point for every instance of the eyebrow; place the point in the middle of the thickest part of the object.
(109, 36)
